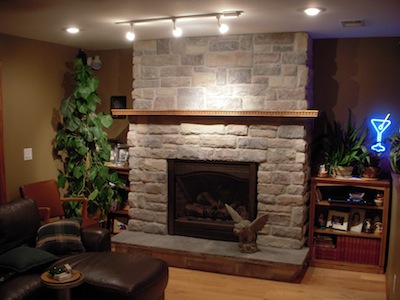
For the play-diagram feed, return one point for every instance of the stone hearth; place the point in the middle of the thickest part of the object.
(216, 256)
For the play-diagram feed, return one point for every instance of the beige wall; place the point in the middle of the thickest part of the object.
(33, 74)
(32, 79)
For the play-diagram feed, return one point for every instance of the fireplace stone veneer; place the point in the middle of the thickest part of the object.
(236, 73)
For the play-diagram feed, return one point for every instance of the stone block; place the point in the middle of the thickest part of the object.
(189, 128)
(204, 79)
(287, 232)
(233, 129)
(215, 141)
(252, 143)
(291, 131)
(192, 59)
(223, 103)
(175, 82)
(165, 103)
(274, 38)
(238, 76)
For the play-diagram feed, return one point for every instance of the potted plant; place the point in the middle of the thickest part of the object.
(83, 147)
(342, 147)
(394, 154)
(369, 164)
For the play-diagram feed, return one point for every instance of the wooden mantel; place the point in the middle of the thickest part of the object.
(217, 113)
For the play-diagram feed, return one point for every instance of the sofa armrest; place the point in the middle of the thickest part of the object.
(96, 239)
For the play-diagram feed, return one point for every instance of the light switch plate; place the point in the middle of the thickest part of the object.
(28, 155)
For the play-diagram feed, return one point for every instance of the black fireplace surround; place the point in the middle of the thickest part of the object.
(198, 190)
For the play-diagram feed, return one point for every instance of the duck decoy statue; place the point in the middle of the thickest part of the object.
(246, 230)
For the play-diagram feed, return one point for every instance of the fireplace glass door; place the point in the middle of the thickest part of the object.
(198, 192)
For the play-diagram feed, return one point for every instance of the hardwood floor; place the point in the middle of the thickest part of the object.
(317, 284)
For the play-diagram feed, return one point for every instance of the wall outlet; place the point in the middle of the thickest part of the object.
(28, 155)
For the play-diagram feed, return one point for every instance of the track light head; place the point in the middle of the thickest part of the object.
(223, 28)
(177, 32)
(130, 35)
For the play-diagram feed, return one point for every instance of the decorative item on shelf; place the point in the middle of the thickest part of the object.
(322, 171)
(356, 196)
(378, 228)
(379, 199)
(246, 230)
(122, 154)
(367, 227)
(356, 219)
(321, 221)
(338, 220)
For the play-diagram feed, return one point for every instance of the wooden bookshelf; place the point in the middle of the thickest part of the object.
(346, 249)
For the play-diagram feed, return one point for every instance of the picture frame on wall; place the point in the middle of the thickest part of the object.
(338, 220)
(117, 102)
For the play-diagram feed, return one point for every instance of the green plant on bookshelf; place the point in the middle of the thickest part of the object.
(343, 146)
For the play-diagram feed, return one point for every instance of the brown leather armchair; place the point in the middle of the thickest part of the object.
(47, 198)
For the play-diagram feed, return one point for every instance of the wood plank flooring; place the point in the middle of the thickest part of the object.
(317, 284)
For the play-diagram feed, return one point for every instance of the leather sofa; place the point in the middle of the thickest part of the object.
(107, 275)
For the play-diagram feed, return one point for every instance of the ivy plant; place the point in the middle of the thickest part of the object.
(83, 147)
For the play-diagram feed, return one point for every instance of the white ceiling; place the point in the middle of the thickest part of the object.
(45, 19)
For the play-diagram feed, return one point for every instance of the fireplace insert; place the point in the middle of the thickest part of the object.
(198, 192)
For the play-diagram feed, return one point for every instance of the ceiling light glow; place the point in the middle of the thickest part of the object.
(72, 30)
(312, 11)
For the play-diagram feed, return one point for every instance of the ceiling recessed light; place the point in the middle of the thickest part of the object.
(72, 30)
(313, 11)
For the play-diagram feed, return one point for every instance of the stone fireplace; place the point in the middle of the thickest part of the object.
(211, 75)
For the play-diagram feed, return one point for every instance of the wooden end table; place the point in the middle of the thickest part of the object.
(63, 287)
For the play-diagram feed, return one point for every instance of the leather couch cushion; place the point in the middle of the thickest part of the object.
(116, 275)
(23, 258)
(19, 222)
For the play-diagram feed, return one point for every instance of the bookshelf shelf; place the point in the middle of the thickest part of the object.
(352, 247)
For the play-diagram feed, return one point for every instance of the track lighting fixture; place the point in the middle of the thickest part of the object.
(177, 32)
(130, 35)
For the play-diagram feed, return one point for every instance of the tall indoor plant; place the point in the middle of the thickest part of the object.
(343, 146)
(82, 145)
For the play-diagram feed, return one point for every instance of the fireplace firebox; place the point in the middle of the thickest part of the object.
(198, 192)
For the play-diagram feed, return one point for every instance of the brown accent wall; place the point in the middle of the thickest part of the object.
(115, 80)
(358, 74)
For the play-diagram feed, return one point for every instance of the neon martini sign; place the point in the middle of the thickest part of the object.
(380, 125)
